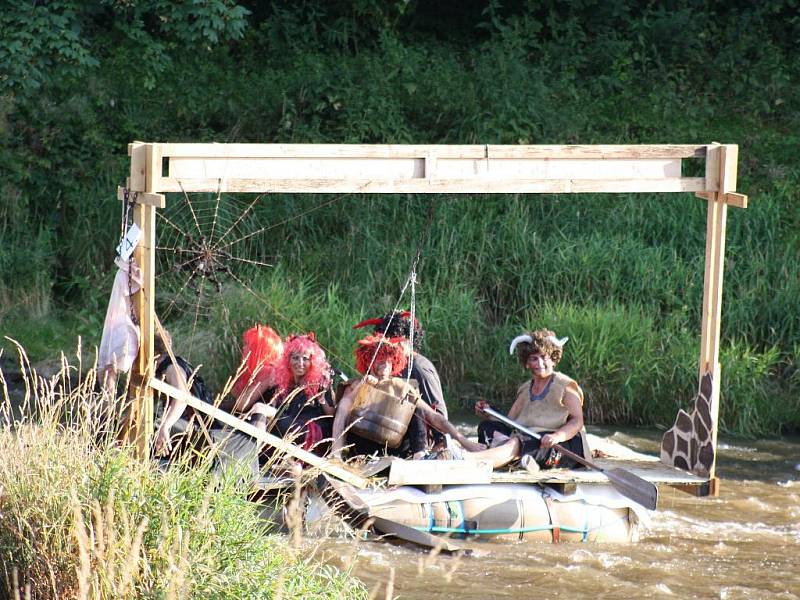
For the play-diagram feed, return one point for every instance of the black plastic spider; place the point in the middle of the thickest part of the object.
(203, 262)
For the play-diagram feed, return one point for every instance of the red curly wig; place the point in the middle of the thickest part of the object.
(318, 376)
(380, 349)
(261, 348)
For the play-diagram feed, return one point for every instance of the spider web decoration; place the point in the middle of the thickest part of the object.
(205, 243)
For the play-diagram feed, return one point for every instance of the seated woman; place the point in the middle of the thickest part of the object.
(300, 388)
(550, 402)
(262, 347)
(380, 360)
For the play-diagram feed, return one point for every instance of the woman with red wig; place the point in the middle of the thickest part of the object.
(299, 386)
(381, 360)
(261, 349)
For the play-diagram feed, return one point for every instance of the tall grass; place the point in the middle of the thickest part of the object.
(82, 518)
(521, 75)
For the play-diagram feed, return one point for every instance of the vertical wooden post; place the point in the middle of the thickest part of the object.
(145, 171)
(725, 159)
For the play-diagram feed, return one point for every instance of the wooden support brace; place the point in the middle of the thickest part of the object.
(731, 198)
(708, 488)
(262, 436)
(146, 198)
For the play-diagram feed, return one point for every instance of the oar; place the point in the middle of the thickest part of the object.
(626, 483)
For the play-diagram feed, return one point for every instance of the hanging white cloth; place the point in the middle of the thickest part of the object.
(120, 342)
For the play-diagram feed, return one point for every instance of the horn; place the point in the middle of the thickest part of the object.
(558, 342)
(518, 340)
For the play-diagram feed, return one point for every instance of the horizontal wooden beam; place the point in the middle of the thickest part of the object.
(262, 436)
(731, 198)
(431, 167)
(145, 198)
(479, 151)
(435, 186)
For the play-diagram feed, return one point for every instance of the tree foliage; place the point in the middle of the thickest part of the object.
(45, 41)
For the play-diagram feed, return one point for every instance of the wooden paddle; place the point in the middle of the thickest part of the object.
(626, 483)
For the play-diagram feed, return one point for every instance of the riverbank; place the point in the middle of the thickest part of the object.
(82, 518)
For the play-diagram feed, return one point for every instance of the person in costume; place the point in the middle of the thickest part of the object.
(382, 360)
(398, 324)
(261, 349)
(549, 402)
(178, 426)
(299, 386)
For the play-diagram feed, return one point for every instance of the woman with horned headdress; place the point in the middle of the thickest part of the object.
(549, 402)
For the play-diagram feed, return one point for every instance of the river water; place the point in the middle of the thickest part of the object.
(743, 544)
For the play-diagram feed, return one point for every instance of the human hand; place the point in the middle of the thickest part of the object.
(551, 439)
(480, 405)
(162, 445)
(371, 379)
(471, 446)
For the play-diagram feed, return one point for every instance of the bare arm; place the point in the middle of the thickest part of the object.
(437, 421)
(516, 408)
(573, 425)
(249, 396)
(340, 420)
(177, 378)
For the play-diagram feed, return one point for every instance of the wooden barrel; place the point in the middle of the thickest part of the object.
(382, 412)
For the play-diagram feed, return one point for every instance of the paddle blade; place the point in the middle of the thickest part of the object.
(634, 487)
(409, 534)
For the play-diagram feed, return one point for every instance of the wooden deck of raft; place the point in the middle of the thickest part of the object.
(435, 473)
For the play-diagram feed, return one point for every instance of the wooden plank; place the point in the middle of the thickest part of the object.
(296, 168)
(608, 152)
(712, 167)
(653, 471)
(131, 429)
(734, 199)
(136, 180)
(145, 256)
(718, 272)
(157, 200)
(439, 472)
(731, 198)
(435, 186)
(729, 159)
(417, 168)
(442, 151)
(707, 488)
(262, 436)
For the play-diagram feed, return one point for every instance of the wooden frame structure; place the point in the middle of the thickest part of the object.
(158, 168)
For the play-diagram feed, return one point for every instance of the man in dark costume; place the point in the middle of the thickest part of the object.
(399, 324)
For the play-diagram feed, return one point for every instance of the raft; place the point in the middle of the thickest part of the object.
(515, 511)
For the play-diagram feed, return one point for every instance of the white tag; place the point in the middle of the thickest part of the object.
(128, 243)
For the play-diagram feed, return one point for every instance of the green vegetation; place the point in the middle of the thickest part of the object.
(82, 518)
(621, 275)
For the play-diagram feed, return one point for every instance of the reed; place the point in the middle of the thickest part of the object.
(83, 519)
